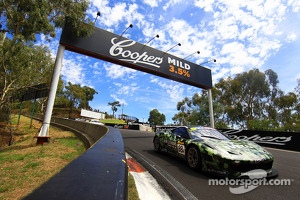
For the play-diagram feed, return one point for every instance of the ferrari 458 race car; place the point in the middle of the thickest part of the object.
(211, 151)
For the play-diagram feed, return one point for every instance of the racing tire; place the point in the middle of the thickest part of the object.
(156, 144)
(193, 158)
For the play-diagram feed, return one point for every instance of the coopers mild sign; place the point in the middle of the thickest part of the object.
(122, 51)
(116, 49)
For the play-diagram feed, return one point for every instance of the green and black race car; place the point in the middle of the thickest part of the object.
(211, 151)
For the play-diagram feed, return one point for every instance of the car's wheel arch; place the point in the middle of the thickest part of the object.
(199, 155)
(189, 146)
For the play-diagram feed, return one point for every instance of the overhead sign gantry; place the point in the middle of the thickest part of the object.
(113, 48)
(117, 49)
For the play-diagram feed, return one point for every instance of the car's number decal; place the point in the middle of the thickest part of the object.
(181, 149)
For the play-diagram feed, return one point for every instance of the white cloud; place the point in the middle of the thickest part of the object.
(207, 5)
(220, 73)
(128, 89)
(236, 70)
(171, 3)
(72, 71)
(181, 31)
(114, 71)
(153, 80)
(236, 54)
(152, 3)
(121, 100)
(172, 90)
(52, 46)
(240, 34)
(175, 92)
(97, 70)
(295, 5)
(116, 14)
(291, 37)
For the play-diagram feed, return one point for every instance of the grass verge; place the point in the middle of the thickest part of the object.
(132, 191)
(113, 121)
(25, 166)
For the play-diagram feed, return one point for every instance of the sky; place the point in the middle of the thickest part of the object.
(240, 35)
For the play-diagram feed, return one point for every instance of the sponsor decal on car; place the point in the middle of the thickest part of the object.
(181, 147)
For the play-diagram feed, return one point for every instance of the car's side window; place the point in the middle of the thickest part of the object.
(181, 132)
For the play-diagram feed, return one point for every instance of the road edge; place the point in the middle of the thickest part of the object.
(173, 188)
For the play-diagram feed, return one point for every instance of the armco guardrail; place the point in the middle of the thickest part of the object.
(100, 173)
(86, 132)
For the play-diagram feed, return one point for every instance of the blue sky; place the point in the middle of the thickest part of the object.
(240, 35)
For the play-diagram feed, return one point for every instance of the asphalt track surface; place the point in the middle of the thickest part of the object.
(180, 182)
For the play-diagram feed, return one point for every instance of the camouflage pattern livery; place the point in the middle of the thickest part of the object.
(211, 151)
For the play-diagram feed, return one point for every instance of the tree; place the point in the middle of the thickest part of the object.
(244, 97)
(220, 101)
(89, 96)
(78, 96)
(297, 109)
(286, 109)
(25, 19)
(251, 100)
(156, 118)
(21, 63)
(61, 100)
(195, 111)
(200, 112)
(74, 93)
(184, 108)
(271, 108)
(114, 106)
(24, 66)
(297, 89)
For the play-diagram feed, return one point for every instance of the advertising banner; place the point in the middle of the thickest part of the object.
(113, 48)
(92, 114)
(35, 92)
(275, 139)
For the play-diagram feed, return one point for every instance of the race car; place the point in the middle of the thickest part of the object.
(211, 151)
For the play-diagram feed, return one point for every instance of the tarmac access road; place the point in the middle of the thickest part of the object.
(180, 182)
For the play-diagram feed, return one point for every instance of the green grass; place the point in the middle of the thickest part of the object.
(4, 188)
(113, 121)
(68, 156)
(70, 142)
(12, 158)
(132, 191)
(25, 166)
(30, 165)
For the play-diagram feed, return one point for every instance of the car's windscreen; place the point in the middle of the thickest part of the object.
(204, 132)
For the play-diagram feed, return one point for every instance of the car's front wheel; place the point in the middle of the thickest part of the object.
(193, 157)
(156, 144)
